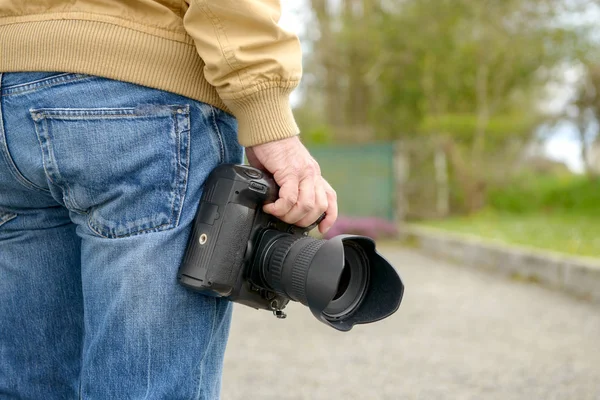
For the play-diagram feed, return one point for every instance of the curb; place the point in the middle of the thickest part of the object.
(579, 276)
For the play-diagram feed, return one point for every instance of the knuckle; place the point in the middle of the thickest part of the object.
(316, 167)
(287, 220)
(290, 200)
(295, 170)
(306, 205)
(290, 172)
(323, 206)
(302, 223)
(312, 169)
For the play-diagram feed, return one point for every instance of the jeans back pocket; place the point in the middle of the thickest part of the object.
(126, 168)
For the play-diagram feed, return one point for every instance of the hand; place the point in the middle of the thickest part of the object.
(303, 195)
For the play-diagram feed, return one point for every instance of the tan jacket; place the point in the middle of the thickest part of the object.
(229, 53)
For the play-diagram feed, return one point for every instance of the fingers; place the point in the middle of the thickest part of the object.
(303, 195)
(303, 203)
(288, 197)
(319, 204)
(331, 212)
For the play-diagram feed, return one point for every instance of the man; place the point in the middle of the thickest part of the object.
(113, 113)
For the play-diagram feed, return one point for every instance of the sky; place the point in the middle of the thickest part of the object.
(561, 147)
(290, 16)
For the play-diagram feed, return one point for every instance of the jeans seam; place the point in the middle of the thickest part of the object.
(182, 132)
(14, 170)
(6, 217)
(12, 167)
(38, 81)
(213, 116)
(51, 172)
(94, 229)
(101, 232)
(209, 343)
(43, 84)
(82, 114)
(82, 117)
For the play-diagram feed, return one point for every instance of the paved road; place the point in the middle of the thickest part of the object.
(459, 334)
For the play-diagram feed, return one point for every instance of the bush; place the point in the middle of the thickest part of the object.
(563, 194)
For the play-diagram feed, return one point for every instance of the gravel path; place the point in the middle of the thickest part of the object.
(459, 334)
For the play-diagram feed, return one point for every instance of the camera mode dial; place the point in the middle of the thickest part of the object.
(252, 173)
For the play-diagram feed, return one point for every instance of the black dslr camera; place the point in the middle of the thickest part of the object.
(239, 252)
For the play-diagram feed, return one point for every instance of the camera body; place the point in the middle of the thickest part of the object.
(230, 233)
(238, 251)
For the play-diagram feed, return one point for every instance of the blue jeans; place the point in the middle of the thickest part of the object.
(99, 184)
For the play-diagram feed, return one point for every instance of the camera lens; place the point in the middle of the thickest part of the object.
(289, 260)
(286, 265)
(344, 281)
(352, 285)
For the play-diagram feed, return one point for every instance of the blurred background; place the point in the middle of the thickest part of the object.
(475, 117)
(488, 108)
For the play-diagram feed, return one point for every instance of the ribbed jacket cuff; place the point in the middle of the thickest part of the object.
(264, 116)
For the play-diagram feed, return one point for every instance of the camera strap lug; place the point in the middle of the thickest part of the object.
(277, 309)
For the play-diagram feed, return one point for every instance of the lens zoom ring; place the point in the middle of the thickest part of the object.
(276, 262)
(300, 270)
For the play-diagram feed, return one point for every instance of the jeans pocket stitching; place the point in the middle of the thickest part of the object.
(141, 111)
(48, 161)
(12, 167)
(180, 118)
(182, 132)
(102, 232)
(19, 86)
(45, 83)
(213, 118)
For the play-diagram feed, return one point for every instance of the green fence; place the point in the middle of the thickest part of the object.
(363, 177)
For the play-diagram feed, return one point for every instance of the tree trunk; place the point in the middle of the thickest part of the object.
(585, 158)
(328, 55)
(476, 196)
(357, 14)
(441, 180)
(483, 115)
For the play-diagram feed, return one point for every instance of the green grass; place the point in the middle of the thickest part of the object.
(559, 213)
(561, 232)
(551, 194)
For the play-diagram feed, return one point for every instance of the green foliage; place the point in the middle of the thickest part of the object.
(314, 131)
(397, 66)
(318, 135)
(559, 213)
(561, 232)
(447, 57)
(566, 194)
(471, 72)
(462, 126)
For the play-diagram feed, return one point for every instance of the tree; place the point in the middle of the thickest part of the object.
(459, 69)
(584, 112)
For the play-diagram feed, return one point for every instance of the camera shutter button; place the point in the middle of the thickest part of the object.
(252, 173)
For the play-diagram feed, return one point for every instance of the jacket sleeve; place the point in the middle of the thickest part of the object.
(252, 62)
